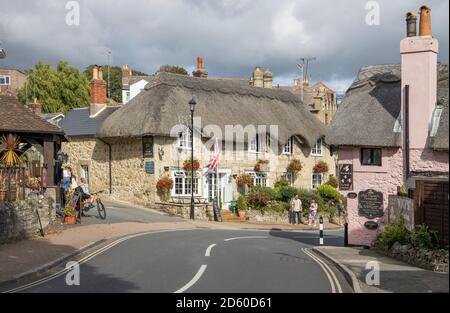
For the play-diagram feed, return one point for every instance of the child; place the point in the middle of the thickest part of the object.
(313, 212)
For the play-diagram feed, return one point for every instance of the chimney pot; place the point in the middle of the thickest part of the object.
(411, 25)
(199, 62)
(100, 73)
(95, 72)
(425, 21)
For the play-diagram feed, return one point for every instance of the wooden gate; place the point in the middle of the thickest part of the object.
(431, 199)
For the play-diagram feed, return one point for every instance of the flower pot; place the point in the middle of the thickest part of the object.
(70, 220)
(242, 214)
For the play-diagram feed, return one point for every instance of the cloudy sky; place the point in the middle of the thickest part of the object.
(233, 36)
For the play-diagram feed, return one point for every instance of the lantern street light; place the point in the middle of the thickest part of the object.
(192, 104)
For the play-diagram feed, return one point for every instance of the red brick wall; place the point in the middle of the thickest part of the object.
(98, 91)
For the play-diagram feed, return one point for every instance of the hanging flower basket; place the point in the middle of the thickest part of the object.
(187, 166)
(244, 180)
(261, 166)
(321, 167)
(164, 187)
(294, 167)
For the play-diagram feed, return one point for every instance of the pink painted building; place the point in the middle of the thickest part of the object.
(391, 130)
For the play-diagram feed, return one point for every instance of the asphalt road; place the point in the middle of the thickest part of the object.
(207, 261)
(118, 213)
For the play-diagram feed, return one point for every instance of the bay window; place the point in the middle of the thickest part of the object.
(183, 183)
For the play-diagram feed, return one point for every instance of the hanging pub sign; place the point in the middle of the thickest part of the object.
(370, 204)
(345, 177)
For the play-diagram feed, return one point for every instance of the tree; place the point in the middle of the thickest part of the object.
(57, 91)
(173, 69)
(115, 79)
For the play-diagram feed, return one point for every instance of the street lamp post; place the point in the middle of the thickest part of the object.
(192, 104)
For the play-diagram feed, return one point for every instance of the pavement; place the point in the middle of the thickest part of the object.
(394, 276)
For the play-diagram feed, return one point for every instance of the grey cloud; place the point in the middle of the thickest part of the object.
(232, 35)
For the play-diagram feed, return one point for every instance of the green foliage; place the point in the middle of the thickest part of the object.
(115, 79)
(332, 181)
(258, 199)
(393, 233)
(57, 91)
(328, 193)
(283, 182)
(422, 237)
(173, 69)
(279, 206)
(288, 193)
(242, 204)
(69, 211)
(275, 193)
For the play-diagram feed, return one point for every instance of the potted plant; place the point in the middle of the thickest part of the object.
(242, 206)
(321, 167)
(244, 180)
(70, 215)
(164, 186)
(294, 167)
(187, 166)
(261, 165)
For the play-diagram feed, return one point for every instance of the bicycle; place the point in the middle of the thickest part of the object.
(84, 205)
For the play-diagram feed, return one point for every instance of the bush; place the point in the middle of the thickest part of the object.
(283, 182)
(258, 199)
(244, 180)
(279, 207)
(287, 193)
(332, 181)
(328, 193)
(393, 233)
(242, 204)
(423, 238)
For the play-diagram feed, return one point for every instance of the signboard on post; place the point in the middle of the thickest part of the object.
(345, 177)
(217, 215)
(370, 204)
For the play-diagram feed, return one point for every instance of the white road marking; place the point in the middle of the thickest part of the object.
(193, 280)
(330, 274)
(85, 259)
(249, 237)
(208, 250)
(314, 237)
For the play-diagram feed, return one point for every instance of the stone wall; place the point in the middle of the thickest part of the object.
(202, 212)
(267, 217)
(19, 220)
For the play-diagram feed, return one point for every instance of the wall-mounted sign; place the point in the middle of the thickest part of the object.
(150, 167)
(370, 204)
(371, 225)
(352, 195)
(345, 177)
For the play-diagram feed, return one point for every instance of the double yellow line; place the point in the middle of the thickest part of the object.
(334, 282)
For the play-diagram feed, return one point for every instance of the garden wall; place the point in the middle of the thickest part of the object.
(19, 220)
(203, 212)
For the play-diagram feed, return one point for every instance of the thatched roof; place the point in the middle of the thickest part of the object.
(17, 118)
(369, 113)
(165, 101)
(440, 140)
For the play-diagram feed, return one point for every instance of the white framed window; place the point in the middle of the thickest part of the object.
(259, 179)
(316, 180)
(260, 143)
(85, 173)
(317, 149)
(289, 177)
(184, 139)
(5, 80)
(184, 182)
(289, 147)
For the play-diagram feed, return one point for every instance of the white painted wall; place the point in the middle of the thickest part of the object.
(135, 89)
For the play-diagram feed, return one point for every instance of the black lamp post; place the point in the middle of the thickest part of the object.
(192, 104)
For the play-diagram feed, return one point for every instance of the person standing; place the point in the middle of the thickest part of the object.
(67, 178)
(296, 207)
(313, 212)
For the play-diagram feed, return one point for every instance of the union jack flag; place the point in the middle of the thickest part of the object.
(214, 162)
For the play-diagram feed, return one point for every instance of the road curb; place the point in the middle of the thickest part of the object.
(348, 274)
(43, 268)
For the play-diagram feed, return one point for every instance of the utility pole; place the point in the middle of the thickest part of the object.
(304, 67)
(109, 75)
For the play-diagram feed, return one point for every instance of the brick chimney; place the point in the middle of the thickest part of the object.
(200, 71)
(419, 71)
(98, 91)
(36, 106)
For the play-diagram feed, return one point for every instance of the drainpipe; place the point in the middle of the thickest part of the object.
(109, 165)
(406, 133)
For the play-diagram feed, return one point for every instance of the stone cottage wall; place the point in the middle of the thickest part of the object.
(19, 220)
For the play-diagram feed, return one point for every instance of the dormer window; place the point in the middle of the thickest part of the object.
(184, 139)
(317, 149)
(289, 147)
(260, 143)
